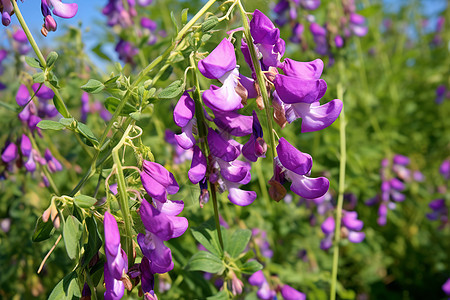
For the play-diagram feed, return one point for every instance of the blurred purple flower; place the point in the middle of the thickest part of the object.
(116, 259)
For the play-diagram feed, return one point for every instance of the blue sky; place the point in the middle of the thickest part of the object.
(90, 11)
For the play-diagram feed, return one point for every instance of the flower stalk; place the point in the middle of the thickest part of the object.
(123, 196)
(342, 165)
(202, 130)
(260, 78)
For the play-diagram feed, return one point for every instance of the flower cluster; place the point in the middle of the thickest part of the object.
(442, 93)
(331, 34)
(350, 228)
(58, 8)
(20, 42)
(160, 220)
(439, 208)
(267, 292)
(116, 265)
(28, 157)
(161, 223)
(225, 169)
(96, 107)
(393, 176)
(122, 15)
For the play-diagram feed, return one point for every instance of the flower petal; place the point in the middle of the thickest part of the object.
(294, 90)
(293, 159)
(198, 166)
(221, 60)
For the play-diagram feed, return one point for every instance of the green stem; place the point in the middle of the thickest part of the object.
(216, 213)
(123, 196)
(202, 129)
(260, 78)
(62, 108)
(91, 285)
(342, 163)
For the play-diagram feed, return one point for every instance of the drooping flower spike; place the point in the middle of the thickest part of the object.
(116, 259)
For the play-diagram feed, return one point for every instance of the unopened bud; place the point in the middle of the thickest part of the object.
(44, 31)
(46, 215)
(260, 147)
(276, 190)
(127, 282)
(50, 23)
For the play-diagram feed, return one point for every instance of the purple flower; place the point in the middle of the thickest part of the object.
(116, 259)
(440, 93)
(63, 10)
(357, 25)
(290, 293)
(256, 146)
(126, 51)
(161, 224)
(117, 14)
(7, 9)
(53, 164)
(25, 145)
(157, 181)
(260, 239)
(84, 106)
(23, 96)
(264, 291)
(446, 287)
(9, 154)
(304, 102)
(444, 169)
(297, 167)
(198, 166)
(220, 61)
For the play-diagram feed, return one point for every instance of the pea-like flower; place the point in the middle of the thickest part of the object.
(116, 259)
(296, 166)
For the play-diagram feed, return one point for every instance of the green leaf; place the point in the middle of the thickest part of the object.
(39, 77)
(165, 75)
(87, 133)
(66, 121)
(206, 262)
(251, 267)
(98, 50)
(72, 233)
(184, 15)
(53, 80)
(59, 104)
(51, 59)
(94, 240)
(174, 90)
(222, 295)
(84, 201)
(111, 104)
(206, 234)
(33, 62)
(43, 230)
(67, 288)
(93, 86)
(238, 241)
(48, 124)
(111, 83)
(210, 23)
(174, 21)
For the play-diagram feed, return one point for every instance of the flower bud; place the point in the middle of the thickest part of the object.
(50, 23)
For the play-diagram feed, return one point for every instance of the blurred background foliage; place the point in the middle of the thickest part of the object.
(390, 78)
